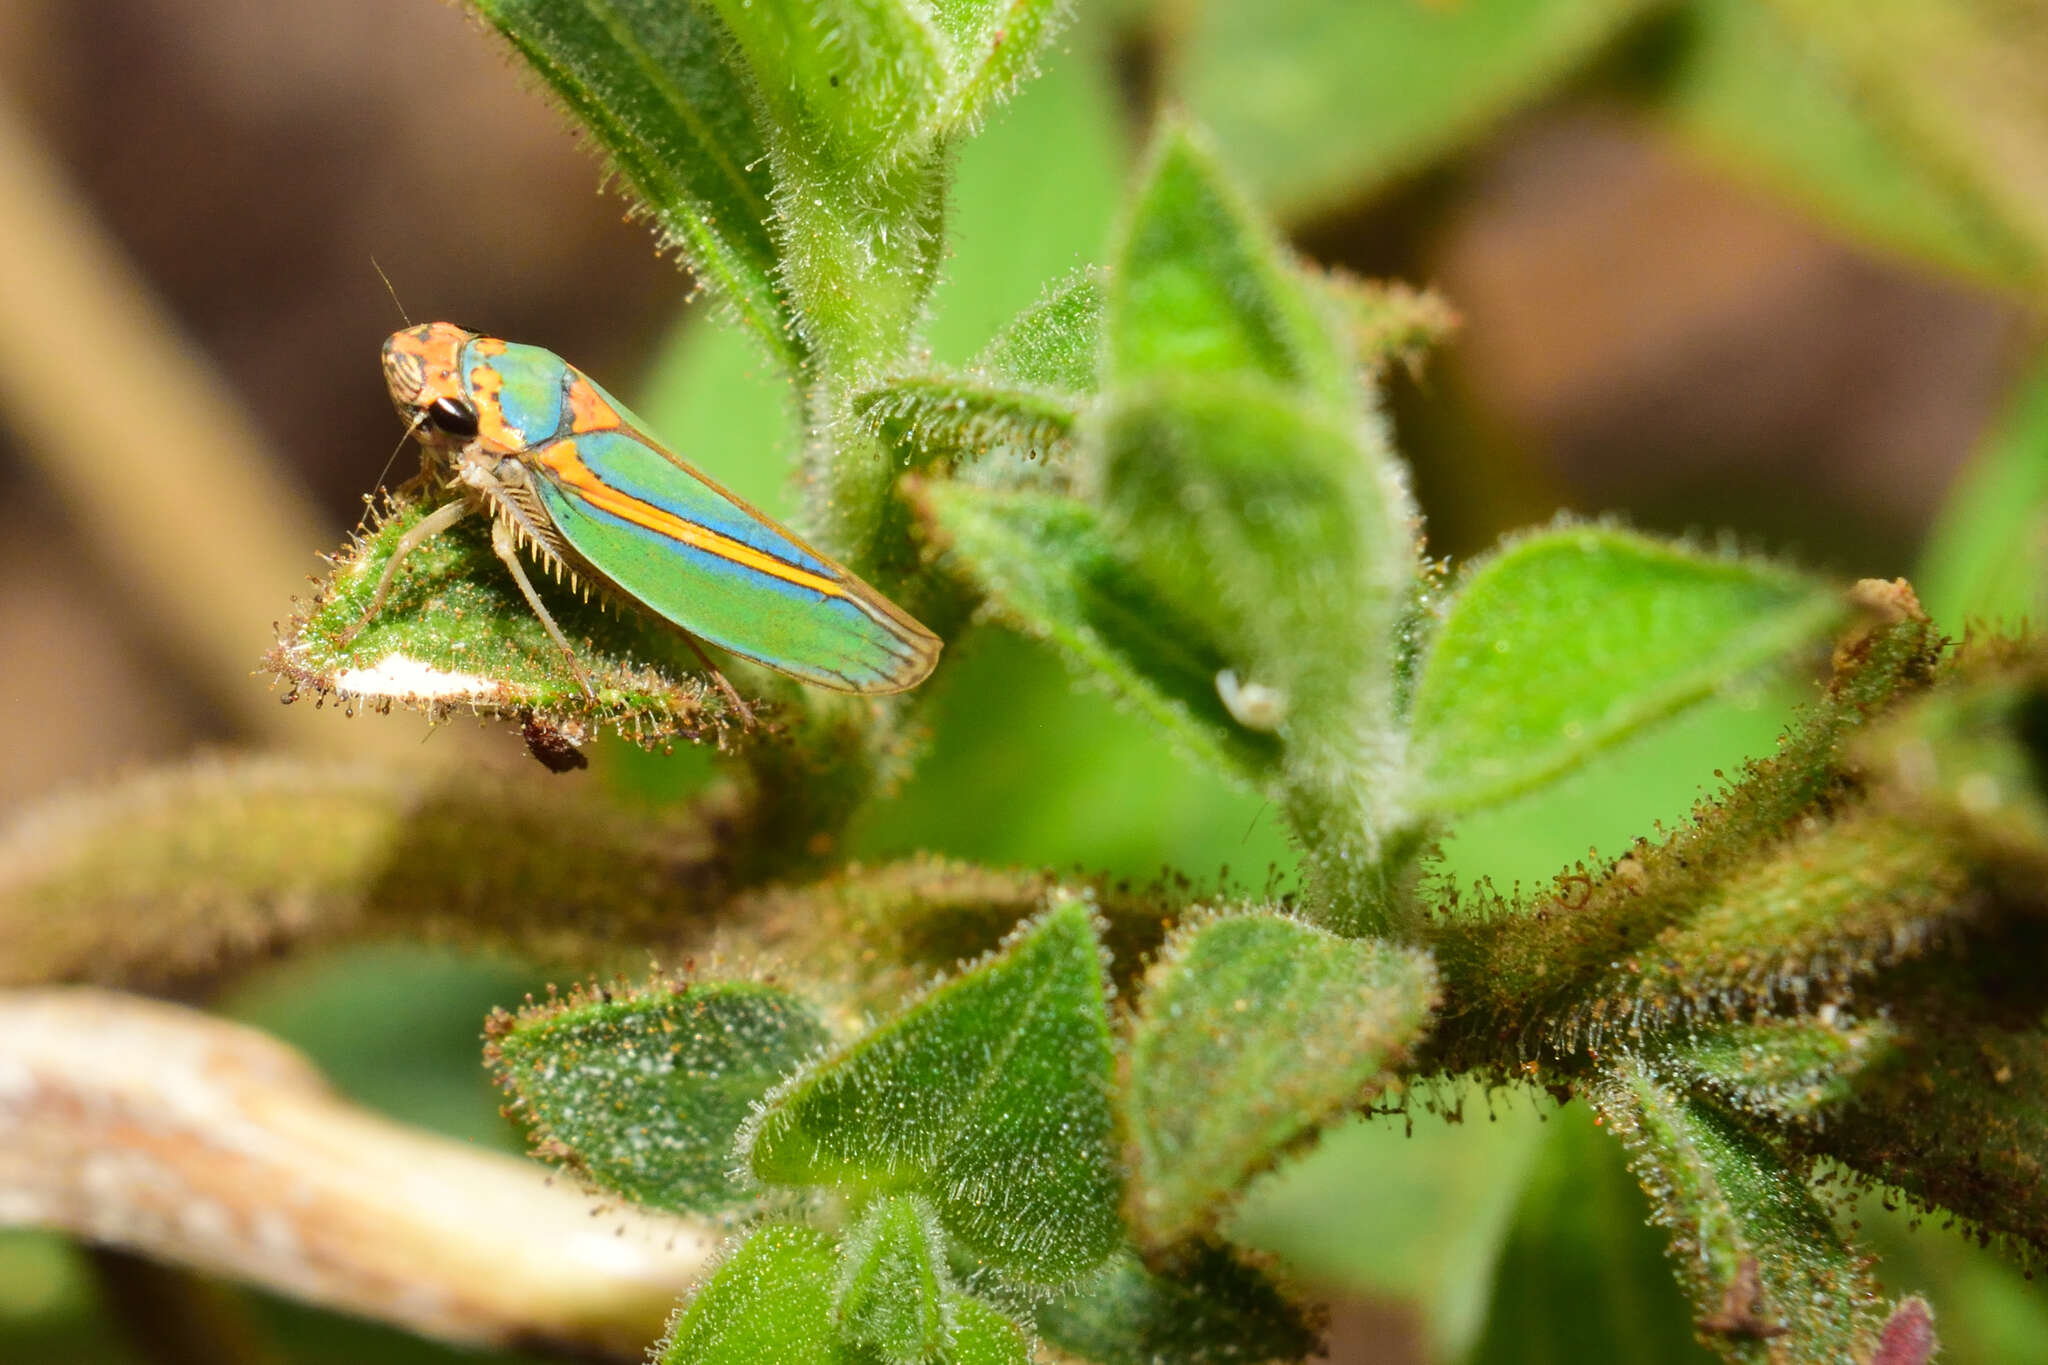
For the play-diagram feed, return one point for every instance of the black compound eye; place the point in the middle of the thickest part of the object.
(452, 416)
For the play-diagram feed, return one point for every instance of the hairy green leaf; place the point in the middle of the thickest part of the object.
(770, 1300)
(1052, 571)
(1768, 1277)
(1201, 285)
(1284, 533)
(1211, 1310)
(989, 1096)
(456, 635)
(1569, 640)
(982, 1336)
(1252, 1030)
(1986, 559)
(995, 45)
(951, 419)
(658, 87)
(847, 81)
(1775, 106)
(1324, 104)
(1056, 342)
(1956, 1113)
(892, 1283)
(1790, 1070)
(642, 1091)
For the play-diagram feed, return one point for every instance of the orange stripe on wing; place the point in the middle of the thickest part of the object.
(562, 460)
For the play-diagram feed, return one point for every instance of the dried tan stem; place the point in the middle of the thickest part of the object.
(200, 1142)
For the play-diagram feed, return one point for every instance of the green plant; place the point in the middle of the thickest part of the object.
(1174, 469)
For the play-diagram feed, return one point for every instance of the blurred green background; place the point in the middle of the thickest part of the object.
(1729, 265)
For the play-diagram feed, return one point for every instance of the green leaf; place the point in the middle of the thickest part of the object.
(1768, 1278)
(1776, 107)
(982, 1336)
(1956, 1115)
(989, 1096)
(1324, 104)
(642, 1091)
(1052, 571)
(893, 1281)
(659, 89)
(770, 1300)
(1056, 342)
(456, 635)
(1569, 640)
(995, 49)
(1284, 533)
(1582, 1276)
(1200, 285)
(1251, 1031)
(849, 83)
(1986, 559)
(1211, 1310)
(940, 418)
(1790, 1070)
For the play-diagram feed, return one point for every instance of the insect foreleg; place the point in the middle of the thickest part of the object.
(429, 526)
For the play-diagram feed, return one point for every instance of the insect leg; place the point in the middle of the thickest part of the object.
(746, 712)
(431, 525)
(502, 542)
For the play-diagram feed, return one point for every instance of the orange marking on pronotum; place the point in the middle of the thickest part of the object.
(587, 411)
(564, 463)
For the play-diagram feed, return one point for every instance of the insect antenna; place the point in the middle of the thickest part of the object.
(391, 291)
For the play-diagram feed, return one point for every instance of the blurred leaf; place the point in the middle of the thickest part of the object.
(641, 1091)
(1568, 640)
(989, 1096)
(1201, 286)
(1211, 1310)
(1051, 569)
(1959, 85)
(1776, 105)
(893, 1280)
(770, 1300)
(1250, 1032)
(1325, 104)
(659, 88)
(1986, 559)
(1106, 793)
(1968, 764)
(1391, 323)
(1790, 1070)
(456, 635)
(1418, 1216)
(1582, 1276)
(1768, 1278)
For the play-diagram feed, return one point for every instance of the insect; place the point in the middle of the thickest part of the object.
(568, 474)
